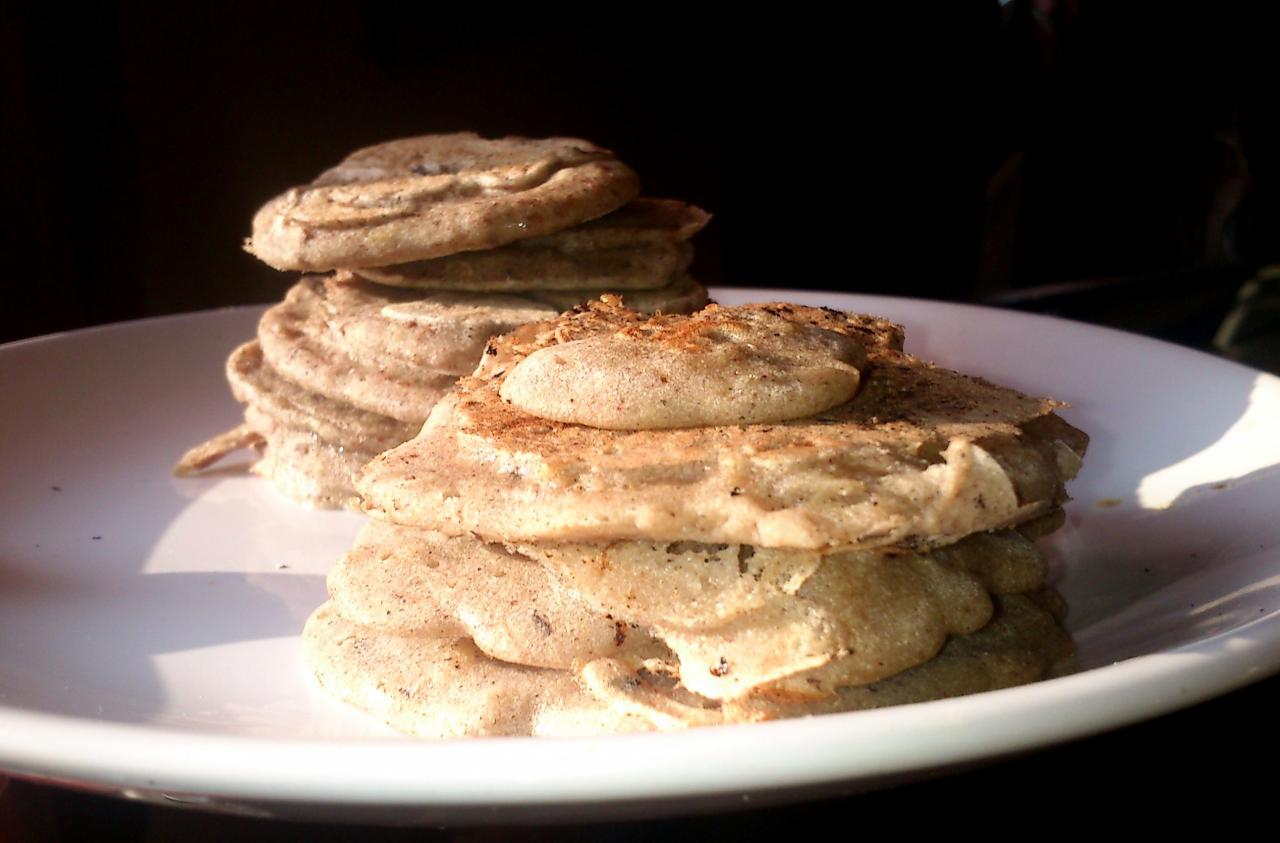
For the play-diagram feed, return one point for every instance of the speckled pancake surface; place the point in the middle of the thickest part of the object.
(827, 623)
(738, 617)
(255, 383)
(435, 195)
(865, 615)
(920, 455)
(404, 334)
(442, 687)
(437, 686)
(411, 580)
(362, 366)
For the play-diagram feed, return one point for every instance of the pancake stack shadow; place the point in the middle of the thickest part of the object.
(415, 253)
(822, 524)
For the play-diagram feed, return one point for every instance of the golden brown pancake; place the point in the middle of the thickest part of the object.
(410, 580)
(921, 455)
(436, 195)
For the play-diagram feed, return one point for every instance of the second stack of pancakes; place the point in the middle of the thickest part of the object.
(416, 252)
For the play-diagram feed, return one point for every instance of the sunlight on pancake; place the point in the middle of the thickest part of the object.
(1252, 443)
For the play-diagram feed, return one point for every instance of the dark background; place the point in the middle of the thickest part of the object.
(955, 152)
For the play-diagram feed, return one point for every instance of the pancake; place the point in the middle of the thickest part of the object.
(692, 585)
(920, 456)
(426, 197)
(681, 295)
(390, 335)
(300, 464)
(410, 580)
(297, 342)
(435, 686)
(643, 245)
(864, 615)
(442, 688)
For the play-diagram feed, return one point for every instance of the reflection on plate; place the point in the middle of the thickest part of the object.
(148, 625)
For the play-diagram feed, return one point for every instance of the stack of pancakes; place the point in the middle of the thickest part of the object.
(429, 246)
(627, 523)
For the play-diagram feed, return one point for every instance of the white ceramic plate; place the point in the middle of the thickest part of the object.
(148, 624)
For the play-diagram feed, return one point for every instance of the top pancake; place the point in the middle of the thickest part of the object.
(921, 455)
(427, 197)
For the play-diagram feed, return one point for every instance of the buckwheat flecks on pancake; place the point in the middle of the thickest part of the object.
(739, 617)
(427, 197)
(438, 686)
(878, 548)
(396, 334)
(411, 580)
(692, 585)
(921, 455)
(689, 585)
(787, 624)
(642, 245)
(312, 446)
(443, 687)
